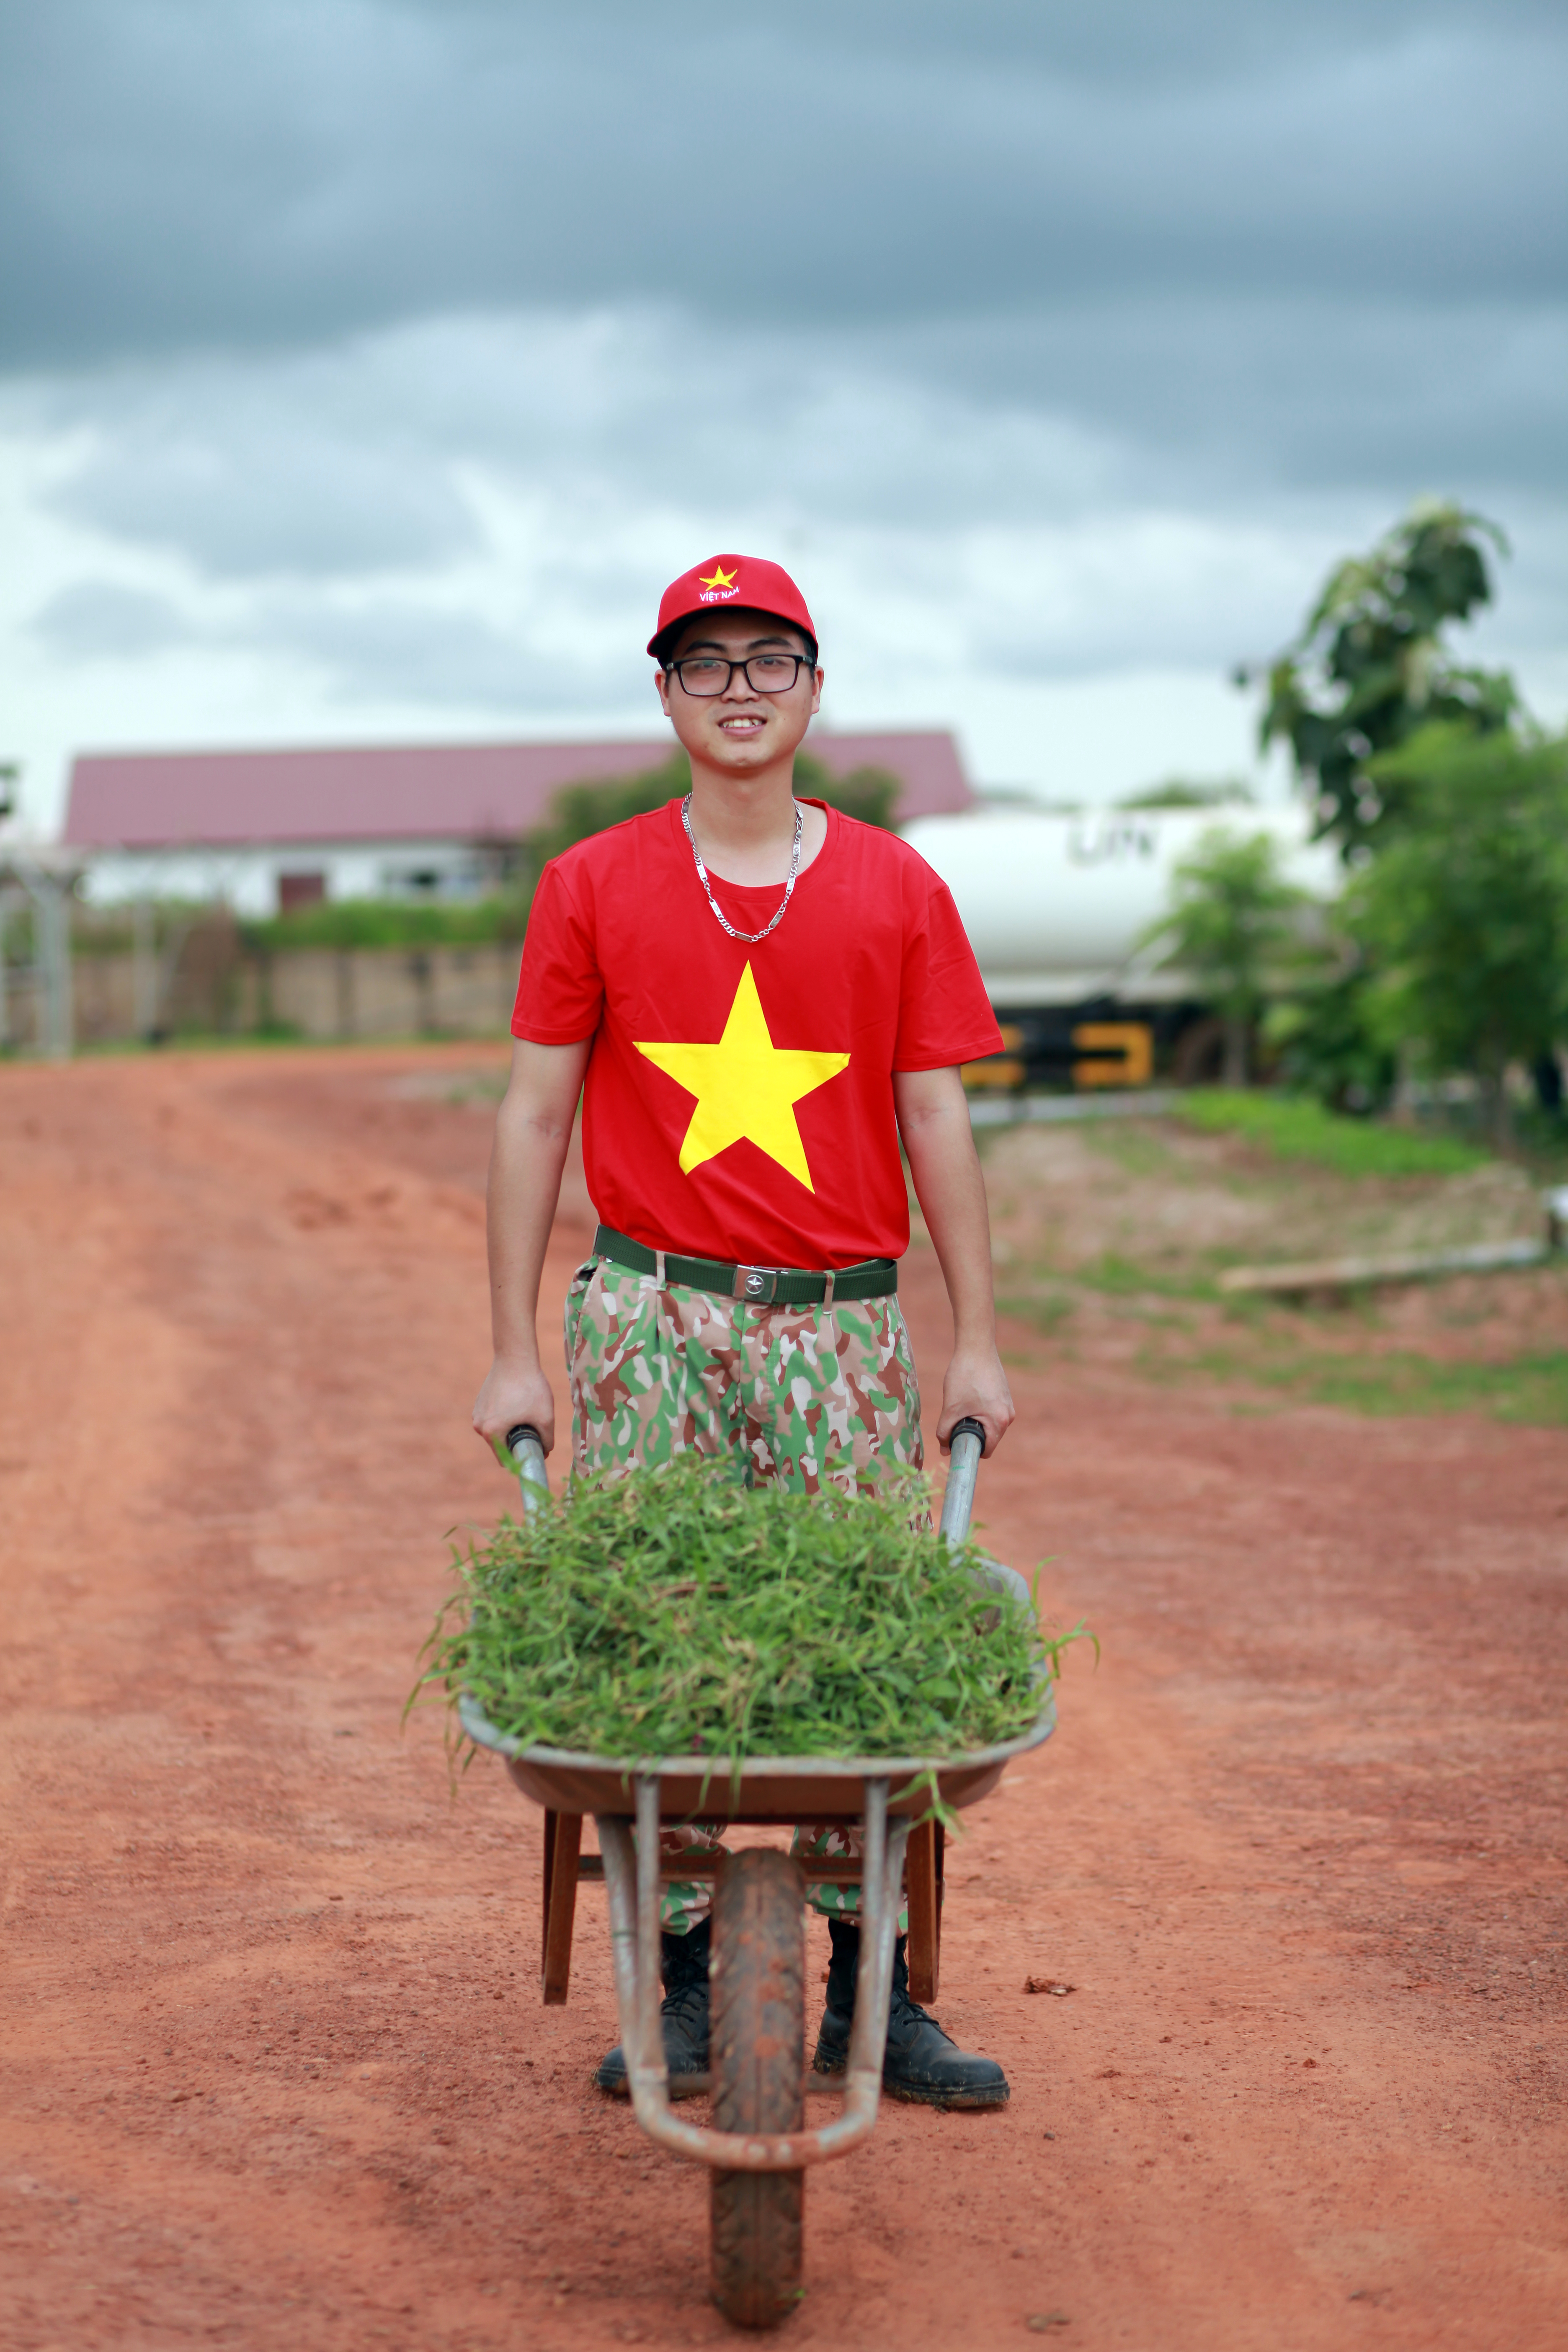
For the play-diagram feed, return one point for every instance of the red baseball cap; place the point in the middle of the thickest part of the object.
(744, 579)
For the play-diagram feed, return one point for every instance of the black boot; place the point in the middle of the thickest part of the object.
(683, 1965)
(920, 2063)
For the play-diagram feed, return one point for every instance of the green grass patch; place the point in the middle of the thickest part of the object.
(1124, 1278)
(1047, 1310)
(1292, 1127)
(1137, 1149)
(1531, 1388)
(344, 923)
(675, 1611)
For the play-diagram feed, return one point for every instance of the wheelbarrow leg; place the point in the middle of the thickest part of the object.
(562, 1844)
(550, 1821)
(923, 1884)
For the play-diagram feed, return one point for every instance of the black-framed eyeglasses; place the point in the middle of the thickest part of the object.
(708, 674)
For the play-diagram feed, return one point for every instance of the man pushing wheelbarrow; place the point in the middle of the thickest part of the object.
(757, 998)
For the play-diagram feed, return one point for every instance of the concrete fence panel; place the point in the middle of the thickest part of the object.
(317, 993)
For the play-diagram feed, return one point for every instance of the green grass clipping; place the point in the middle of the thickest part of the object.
(676, 1612)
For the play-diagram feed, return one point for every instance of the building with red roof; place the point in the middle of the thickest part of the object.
(270, 829)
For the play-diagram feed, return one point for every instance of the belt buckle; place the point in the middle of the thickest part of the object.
(755, 1285)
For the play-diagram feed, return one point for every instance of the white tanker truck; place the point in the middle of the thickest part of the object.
(1055, 906)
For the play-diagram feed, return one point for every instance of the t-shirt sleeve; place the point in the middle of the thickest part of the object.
(944, 1014)
(560, 991)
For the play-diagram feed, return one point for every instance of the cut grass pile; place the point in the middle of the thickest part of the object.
(675, 1611)
(1294, 1129)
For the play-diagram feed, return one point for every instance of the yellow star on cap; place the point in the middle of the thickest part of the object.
(746, 1087)
(721, 578)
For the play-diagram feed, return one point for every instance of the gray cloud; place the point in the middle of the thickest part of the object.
(369, 459)
(444, 660)
(96, 620)
(361, 459)
(262, 469)
(178, 174)
(435, 333)
(1216, 396)
(479, 510)
(369, 648)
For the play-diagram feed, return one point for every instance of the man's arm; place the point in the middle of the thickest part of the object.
(934, 1120)
(533, 1128)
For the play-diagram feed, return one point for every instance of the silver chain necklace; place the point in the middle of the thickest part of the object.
(748, 938)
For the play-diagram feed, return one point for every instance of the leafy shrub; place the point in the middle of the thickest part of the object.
(345, 923)
(579, 811)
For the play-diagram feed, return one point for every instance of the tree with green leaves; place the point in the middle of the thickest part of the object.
(1236, 927)
(578, 811)
(1370, 670)
(1324, 1041)
(1182, 792)
(1463, 913)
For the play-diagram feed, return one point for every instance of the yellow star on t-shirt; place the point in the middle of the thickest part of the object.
(745, 1087)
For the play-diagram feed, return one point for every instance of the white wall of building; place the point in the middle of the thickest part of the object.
(247, 879)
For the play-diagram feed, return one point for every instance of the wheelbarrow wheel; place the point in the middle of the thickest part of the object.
(758, 2061)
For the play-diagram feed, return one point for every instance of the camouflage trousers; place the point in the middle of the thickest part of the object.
(812, 1396)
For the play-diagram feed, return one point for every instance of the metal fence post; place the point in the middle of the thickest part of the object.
(145, 990)
(55, 956)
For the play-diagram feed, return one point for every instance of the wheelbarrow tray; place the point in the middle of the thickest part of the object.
(769, 1787)
(766, 1788)
(768, 1791)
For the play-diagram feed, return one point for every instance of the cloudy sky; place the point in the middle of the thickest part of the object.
(367, 366)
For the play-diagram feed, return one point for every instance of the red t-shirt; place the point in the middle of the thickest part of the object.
(739, 1102)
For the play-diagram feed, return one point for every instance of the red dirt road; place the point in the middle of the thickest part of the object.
(276, 2074)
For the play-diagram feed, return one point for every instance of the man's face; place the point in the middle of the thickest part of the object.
(745, 726)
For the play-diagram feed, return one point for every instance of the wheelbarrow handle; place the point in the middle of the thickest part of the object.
(966, 1445)
(526, 1447)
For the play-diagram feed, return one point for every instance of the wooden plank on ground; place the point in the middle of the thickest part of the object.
(1402, 1265)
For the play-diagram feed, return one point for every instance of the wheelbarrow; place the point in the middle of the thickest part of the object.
(757, 2146)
